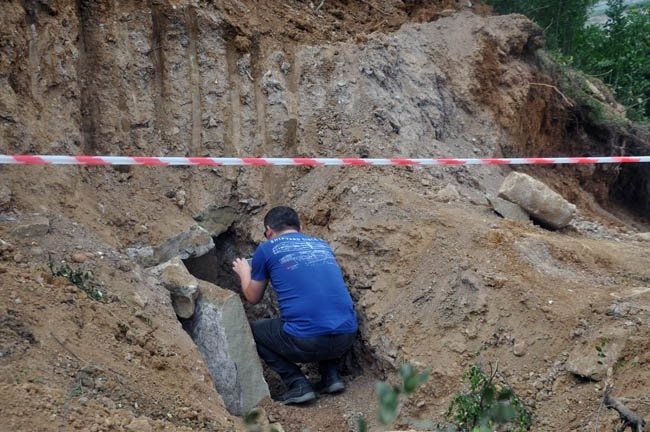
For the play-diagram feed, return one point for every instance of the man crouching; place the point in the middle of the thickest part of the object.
(318, 322)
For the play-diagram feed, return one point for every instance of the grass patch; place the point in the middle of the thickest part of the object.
(82, 279)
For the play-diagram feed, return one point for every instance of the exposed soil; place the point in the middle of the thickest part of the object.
(436, 274)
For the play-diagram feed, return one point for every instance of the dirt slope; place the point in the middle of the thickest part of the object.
(436, 275)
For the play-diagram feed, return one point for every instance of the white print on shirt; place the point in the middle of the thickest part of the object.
(303, 251)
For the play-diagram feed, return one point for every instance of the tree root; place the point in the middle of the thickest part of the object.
(628, 418)
(566, 99)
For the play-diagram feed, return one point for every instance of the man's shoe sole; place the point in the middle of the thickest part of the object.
(309, 396)
(335, 387)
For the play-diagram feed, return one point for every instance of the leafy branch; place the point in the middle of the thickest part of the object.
(487, 404)
(390, 396)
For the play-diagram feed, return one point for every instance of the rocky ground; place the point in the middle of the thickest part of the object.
(439, 278)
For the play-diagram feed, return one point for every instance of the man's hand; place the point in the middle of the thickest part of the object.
(253, 290)
(242, 268)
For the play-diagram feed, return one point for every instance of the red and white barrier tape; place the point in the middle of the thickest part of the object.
(266, 161)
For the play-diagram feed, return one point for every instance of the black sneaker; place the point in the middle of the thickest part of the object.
(299, 393)
(331, 384)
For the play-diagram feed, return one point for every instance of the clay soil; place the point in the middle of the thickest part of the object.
(439, 279)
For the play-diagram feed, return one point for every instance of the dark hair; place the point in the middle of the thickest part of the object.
(282, 218)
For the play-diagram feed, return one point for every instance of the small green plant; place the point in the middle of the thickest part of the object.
(77, 389)
(600, 349)
(390, 396)
(82, 279)
(487, 404)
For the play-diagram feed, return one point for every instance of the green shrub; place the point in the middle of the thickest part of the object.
(487, 404)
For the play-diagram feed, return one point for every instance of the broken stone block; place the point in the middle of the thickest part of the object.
(192, 243)
(540, 201)
(592, 359)
(216, 220)
(182, 286)
(507, 209)
(31, 226)
(222, 334)
(143, 255)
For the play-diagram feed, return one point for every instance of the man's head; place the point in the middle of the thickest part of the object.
(282, 218)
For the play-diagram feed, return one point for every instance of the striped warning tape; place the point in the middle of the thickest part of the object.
(267, 161)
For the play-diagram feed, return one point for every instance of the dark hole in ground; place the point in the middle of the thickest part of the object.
(216, 267)
(628, 183)
(632, 190)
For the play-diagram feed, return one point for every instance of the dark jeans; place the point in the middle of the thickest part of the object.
(280, 350)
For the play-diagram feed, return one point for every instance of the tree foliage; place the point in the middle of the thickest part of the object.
(617, 52)
(562, 20)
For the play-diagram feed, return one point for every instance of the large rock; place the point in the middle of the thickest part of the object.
(540, 201)
(182, 286)
(143, 255)
(194, 242)
(221, 331)
(216, 220)
(28, 226)
(507, 209)
(593, 358)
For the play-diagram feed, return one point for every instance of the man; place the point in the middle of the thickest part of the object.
(318, 322)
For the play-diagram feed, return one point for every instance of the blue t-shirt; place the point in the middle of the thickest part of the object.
(313, 297)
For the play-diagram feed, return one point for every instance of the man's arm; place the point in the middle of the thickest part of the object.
(253, 290)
